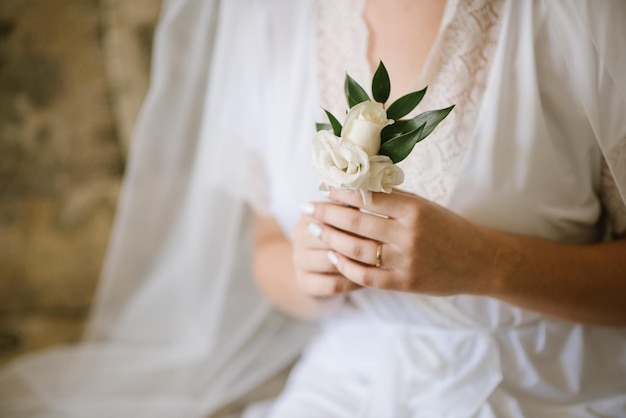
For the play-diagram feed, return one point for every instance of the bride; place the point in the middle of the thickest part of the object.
(493, 286)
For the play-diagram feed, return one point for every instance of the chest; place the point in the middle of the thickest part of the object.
(509, 157)
(402, 34)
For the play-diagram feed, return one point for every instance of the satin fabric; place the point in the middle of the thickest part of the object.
(179, 328)
(533, 167)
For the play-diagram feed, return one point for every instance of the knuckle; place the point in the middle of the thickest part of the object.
(410, 240)
(321, 211)
(363, 276)
(354, 221)
(356, 251)
(414, 213)
(335, 287)
(413, 242)
(325, 286)
(418, 213)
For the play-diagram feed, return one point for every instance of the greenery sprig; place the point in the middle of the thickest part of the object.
(398, 139)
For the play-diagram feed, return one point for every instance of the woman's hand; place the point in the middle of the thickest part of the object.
(303, 288)
(315, 274)
(431, 250)
(424, 248)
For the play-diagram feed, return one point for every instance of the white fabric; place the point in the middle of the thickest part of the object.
(514, 157)
(179, 328)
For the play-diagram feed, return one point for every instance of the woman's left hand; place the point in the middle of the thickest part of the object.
(424, 248)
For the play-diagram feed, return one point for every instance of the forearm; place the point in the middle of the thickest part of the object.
(581, 283)
(275, 274)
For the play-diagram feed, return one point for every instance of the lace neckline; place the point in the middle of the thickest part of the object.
(457, 69)
(422, 79)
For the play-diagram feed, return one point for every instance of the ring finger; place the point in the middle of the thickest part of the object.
(360, 249)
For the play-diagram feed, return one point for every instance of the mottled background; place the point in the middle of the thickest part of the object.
(73, 74)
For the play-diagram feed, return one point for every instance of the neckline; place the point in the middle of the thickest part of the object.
(432, 58)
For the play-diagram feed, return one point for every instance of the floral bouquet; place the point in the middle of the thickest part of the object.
(361, 155)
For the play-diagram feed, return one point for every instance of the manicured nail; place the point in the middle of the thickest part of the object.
(325, 193)
(332, 257)
(307, 208)
(315, 230)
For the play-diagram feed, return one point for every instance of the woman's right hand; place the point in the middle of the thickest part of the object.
(315, 274)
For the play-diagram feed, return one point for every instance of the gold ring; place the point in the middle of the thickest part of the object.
(379, 254)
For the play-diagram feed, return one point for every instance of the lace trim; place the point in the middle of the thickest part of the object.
(342, 41)
(470, 34)
(431, 169)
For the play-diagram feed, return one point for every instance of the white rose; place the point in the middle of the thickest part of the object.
(383, 175)
(340, 163)
(363, 125)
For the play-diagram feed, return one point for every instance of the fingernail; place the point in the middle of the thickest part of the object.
(325, 193)
(332, 257)
(307, 208)
(315, 230)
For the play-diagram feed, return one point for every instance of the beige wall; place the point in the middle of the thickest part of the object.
(72, 76)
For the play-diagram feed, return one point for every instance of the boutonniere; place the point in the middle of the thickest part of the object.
(361, 155)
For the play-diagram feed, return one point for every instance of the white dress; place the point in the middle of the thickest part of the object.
(391, 354)
(179, 328)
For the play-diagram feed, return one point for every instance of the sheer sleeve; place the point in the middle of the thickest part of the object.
(178, 327)
(591, 42)
(260, 106)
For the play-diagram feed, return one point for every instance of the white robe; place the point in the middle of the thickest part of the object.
(179, 329)
(531, 165)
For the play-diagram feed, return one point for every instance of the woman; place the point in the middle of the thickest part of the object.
(505, 223)
(506, 191)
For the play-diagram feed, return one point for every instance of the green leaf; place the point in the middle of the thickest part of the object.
(322, 126)
(398, 128)
(401, 146)
(336, 125)
(431, 119)
(381, 86)
(355, 94)
(405, 104)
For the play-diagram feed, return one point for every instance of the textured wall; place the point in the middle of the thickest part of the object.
(72, 75)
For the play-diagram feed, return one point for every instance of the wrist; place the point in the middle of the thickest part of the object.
(500, 263)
